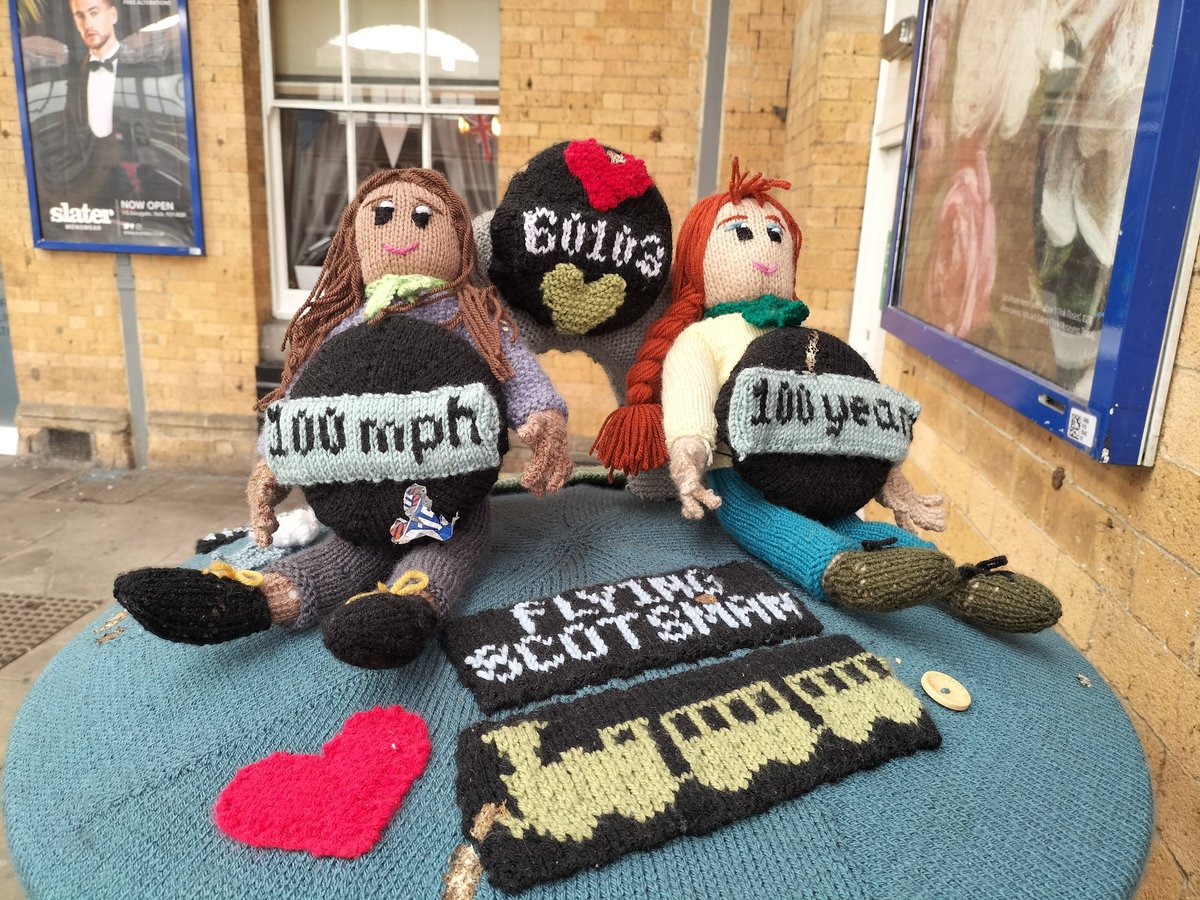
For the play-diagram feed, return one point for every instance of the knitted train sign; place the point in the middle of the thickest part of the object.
(810, 426)
(379, 409)
(581, 240)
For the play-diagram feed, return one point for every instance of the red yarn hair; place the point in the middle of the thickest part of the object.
(632, 438)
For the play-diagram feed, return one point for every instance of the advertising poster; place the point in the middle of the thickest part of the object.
(1025, 135)
(108, 121)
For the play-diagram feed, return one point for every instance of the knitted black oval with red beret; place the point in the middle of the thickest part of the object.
(817, 486)
(589, 206)
(395, 355)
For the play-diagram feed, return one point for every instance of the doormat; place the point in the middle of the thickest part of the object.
(536, 649)
(30, 620)
(582, 783)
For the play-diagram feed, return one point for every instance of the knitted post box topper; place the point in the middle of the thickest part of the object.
(427, 371)
(733, 282)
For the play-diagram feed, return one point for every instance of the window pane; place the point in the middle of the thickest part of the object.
(464, 52)
(314, 187)
(464, 150)
(385, 50)
(387, 141)
(1026, 132)
(306, 50)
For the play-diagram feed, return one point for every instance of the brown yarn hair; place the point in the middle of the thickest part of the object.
(339, 288)
(632, 438)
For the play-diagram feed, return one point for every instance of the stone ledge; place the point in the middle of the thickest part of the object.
(111, 444)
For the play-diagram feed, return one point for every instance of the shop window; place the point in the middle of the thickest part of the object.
(360, 85)
(1047, 208)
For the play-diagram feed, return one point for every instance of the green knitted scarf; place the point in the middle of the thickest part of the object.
(382, 292)
(768, 311)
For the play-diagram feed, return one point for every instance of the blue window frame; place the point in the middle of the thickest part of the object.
(1111, 412)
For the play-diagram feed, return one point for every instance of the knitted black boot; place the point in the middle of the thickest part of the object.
(382, 629)
(990, 597)
(192, 607)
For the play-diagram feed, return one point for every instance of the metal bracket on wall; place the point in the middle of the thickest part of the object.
(898, 43)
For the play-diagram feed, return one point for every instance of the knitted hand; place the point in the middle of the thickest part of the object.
(264, 494)
(690, 457)
(912, 510)
(546, 434)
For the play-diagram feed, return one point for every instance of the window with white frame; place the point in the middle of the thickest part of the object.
(359, 85)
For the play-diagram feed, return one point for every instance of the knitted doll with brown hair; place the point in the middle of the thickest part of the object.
(790, 427)
(400, 379)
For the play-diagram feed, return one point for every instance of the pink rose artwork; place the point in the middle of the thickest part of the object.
(963, 267)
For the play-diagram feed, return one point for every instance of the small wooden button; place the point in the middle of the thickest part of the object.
(945, 690)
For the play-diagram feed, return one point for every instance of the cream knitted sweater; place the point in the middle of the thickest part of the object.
(695, 368)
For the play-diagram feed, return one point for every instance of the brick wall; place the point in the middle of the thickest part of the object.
(197, 317)
(1116, 543)
(758, 65)
(62, 308)
(834, 76)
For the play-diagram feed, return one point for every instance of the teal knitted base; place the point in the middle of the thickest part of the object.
(1040, 789)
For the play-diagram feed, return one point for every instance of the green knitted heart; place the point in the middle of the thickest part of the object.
(575, 307)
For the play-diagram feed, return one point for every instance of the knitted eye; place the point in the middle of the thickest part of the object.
(421, 215)
(743, 232)
(775, 232)
(384, 212)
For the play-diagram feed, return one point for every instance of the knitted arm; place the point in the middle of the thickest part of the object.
(689, 394)
(264, 493)
(912, 510)
(539, 416)
(689, 390)
(529, 390)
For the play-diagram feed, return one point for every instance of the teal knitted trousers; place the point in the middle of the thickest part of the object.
(793, 544)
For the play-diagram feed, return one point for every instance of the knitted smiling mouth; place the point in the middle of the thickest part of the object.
(401, 251)
(766, 269)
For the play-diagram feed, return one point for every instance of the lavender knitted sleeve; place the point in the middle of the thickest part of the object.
(529, 390)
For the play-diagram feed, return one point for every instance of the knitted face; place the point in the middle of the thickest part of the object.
(749, 254)
(403, 229)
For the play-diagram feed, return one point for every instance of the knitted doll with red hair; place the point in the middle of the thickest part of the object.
(791, 428)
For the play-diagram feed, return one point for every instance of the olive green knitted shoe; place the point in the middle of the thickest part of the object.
(989, 597)
(884, 579)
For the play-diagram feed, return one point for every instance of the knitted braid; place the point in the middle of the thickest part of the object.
(339, 287)
(632, 437)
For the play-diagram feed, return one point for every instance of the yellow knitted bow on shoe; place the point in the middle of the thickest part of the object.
(222, 569)
(413, 581)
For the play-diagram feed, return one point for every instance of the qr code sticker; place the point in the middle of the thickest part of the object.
(1081, 427)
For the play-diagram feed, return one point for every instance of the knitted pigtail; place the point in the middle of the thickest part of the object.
(336, 294)
(632, 437)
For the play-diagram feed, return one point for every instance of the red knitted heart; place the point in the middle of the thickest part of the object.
(336, 803)
(608, 180)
